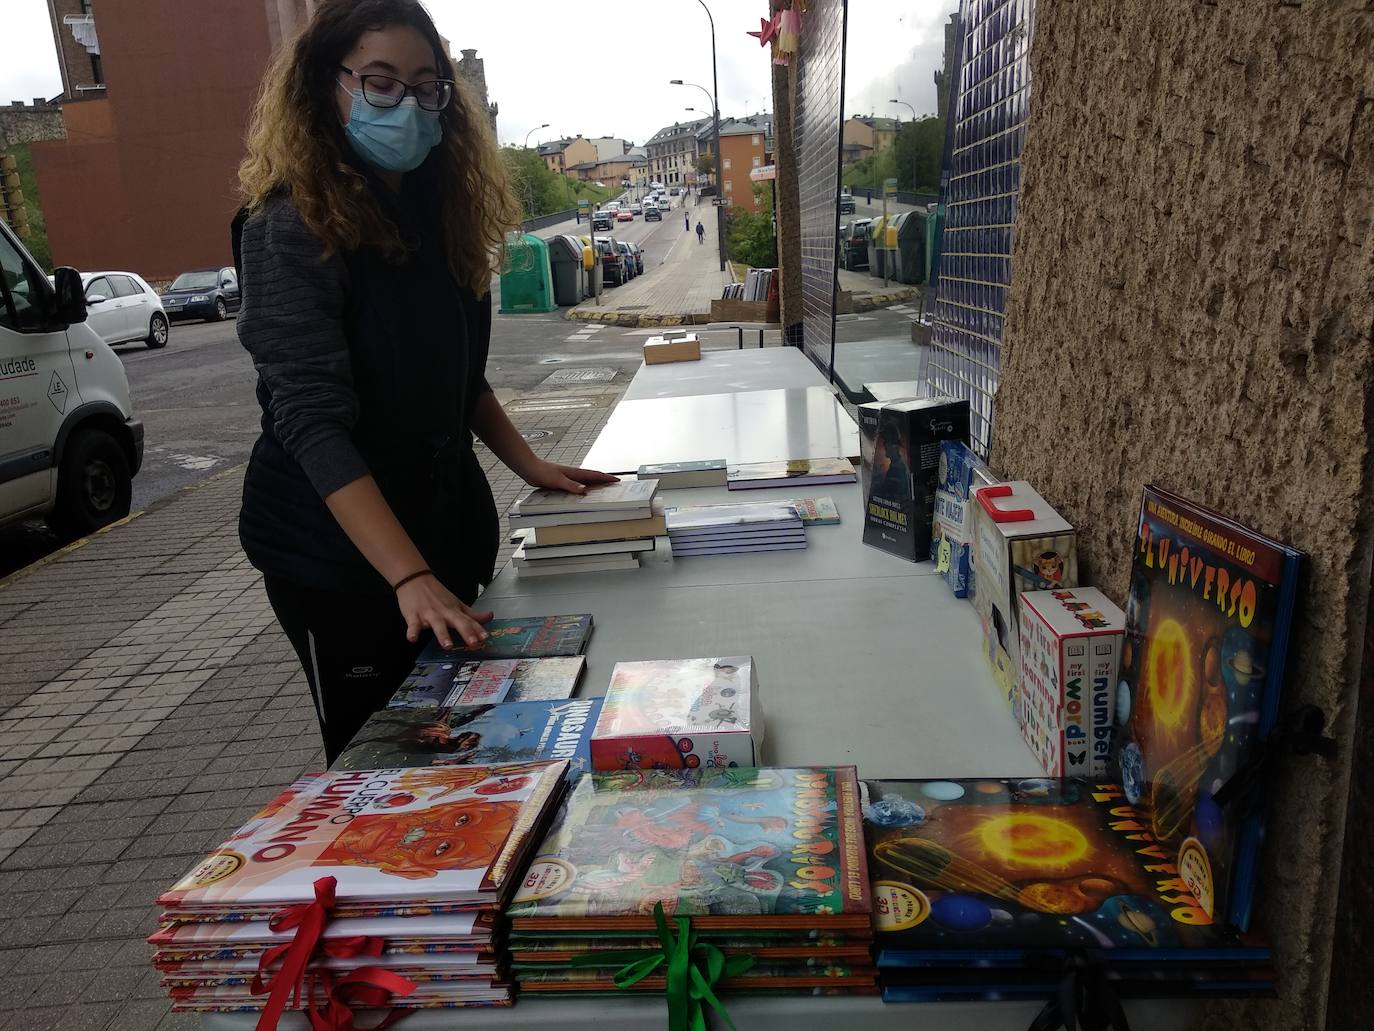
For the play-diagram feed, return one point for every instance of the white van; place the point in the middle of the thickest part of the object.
(69, 444)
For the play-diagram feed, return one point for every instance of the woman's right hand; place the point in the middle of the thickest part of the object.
(427, 604)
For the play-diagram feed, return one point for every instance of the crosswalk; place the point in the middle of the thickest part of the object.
(586, 333)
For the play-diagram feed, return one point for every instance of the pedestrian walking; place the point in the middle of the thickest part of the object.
(686, 222)
(870, 196)
(701, 233)
(365, 260)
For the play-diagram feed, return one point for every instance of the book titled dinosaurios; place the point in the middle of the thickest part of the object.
(454, 834)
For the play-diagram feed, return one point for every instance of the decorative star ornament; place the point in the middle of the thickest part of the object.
(768, 28)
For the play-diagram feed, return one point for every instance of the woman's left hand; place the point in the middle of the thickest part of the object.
(568, 478)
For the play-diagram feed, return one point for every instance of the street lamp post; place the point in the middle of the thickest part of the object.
(531, 132)
(715, 110)
(913, 140)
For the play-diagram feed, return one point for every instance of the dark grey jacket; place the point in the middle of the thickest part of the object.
(364, 366)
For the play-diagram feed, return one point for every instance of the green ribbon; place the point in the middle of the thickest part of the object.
(694, 968)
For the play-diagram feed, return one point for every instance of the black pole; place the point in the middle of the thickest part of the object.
(715, 104)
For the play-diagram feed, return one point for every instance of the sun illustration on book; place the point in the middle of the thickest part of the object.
(462, 835)
(1170, 679)
(1032, 840)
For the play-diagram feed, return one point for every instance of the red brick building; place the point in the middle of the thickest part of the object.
(146, 178)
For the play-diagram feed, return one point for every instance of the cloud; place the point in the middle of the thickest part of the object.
(28, 57)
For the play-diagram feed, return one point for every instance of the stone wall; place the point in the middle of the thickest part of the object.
(1192, 304)
(29, 123)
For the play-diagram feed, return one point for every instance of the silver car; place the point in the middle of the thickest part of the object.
(121, 307)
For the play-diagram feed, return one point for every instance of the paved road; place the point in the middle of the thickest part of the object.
(196, 398)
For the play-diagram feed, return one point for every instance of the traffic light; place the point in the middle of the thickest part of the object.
(12, 197)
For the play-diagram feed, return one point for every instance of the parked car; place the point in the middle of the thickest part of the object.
(638, 253)
(856, 244)
(208, 293)
(652, 214)
(612, 261)
(603, 220)
(121, 307)
(847, 204)
(675, 191)
(632, 267)
(624, 215)
(72, 445)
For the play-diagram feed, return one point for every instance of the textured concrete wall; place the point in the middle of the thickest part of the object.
(1192, 303)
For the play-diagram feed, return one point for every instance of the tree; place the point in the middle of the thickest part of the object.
(706, 164)
(749, 236)
(540, 189)
(918, 151)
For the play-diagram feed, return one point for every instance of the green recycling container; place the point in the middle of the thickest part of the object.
(526, 279)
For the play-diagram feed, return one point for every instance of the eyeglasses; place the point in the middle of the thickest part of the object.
(385, 91)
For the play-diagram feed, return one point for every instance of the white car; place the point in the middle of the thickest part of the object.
(69, 444)
(122, 308)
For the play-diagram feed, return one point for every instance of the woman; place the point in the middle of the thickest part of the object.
(377, 204)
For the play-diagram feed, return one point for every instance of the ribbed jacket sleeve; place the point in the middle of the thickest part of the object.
(292, 324)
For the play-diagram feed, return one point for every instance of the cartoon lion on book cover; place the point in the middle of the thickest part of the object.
(464, 835)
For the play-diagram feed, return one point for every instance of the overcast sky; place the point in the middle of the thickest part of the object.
(894, 48)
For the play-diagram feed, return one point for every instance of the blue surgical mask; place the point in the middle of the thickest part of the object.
(393, 138)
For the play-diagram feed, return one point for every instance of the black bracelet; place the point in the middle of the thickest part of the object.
(413, 576)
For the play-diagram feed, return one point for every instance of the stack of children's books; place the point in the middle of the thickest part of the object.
(733, 529)
(763, 862)
(803, 472)
(372, 875)
(607, 528)
(524, 659)
(993, 888)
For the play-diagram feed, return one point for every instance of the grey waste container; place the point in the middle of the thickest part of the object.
(908, 261)
(565, 258)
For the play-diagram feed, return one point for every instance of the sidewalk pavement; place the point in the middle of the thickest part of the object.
(679, 291)
(868, 292)
(149, 705)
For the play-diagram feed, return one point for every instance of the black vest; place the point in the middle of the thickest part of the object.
(417, 344)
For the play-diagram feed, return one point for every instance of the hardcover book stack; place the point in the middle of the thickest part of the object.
(733, 529)
(803, 472)
(422, 863)
(764, 862)
(607, 528)
(986, 888)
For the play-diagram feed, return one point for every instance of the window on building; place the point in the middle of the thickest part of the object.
(85, 6)
(97, 70)
(757, 161)
(19, 290)
(729, 183)
(754, 140)
(726, 164)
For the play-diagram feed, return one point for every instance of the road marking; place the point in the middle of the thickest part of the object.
(194, 463)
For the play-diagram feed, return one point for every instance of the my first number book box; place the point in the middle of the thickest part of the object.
(1020, 544)
(1070, 656)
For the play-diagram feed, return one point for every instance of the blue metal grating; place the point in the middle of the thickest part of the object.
(990, 107)
(818, 125)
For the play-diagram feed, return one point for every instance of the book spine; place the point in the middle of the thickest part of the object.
(1075, 685)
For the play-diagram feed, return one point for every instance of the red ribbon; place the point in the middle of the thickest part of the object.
(365, 987)
(308, 919)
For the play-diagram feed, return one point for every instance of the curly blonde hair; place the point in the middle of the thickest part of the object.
(295, 143)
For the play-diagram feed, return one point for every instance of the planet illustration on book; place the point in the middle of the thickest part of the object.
(1243, 668)
(942, 790)
(961, 912)
(1132, 772)
(895, 811)
(1035, 788)
(1123, 703)
(1137, 921)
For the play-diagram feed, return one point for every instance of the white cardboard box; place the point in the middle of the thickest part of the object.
(1070, 660)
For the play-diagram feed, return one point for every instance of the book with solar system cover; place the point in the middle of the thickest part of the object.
(966, 871)
(1208, 620)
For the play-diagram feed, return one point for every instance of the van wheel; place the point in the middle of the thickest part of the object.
(94, 486)
(157, 331)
